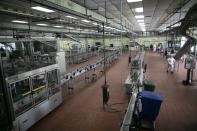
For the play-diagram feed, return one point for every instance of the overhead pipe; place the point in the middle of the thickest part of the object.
(175, 10)
(22, 14)
(72, 38)
(57, 6)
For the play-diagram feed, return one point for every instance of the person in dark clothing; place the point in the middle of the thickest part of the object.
(172, 51)
(129, 60)
(165, 53)
(151, 47)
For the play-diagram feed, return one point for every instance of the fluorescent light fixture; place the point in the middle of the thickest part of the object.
(79, 29)
(93, 30)
(107, 27)
(94, 23)
(131, 1)
(140, 20)
(72, 17)
(141, 24)
(20, 21)
(58, 26)
(139, 9)
(139, 16)
(42, 24)
(143, 28)
(183, 40)
(176, 25)
(87, 21)
(165, 29)
(71, 28)
(39, 8)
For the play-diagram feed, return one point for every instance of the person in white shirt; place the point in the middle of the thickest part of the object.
(171, 64)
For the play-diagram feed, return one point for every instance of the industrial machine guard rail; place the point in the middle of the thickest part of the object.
(129, 113)
(87, 68)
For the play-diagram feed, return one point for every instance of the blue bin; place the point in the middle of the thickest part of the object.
(151, 103)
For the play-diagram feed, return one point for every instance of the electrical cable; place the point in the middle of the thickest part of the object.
(114, 110)
(118, 103)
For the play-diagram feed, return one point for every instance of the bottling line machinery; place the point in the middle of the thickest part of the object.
(133, 85)
(78, 56)
(33, 72)
(190, 65)
(81, 70)
(32, 80)
(144, 104)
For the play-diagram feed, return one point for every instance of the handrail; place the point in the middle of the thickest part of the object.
(129, 114)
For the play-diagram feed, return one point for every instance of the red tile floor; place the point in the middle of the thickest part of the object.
(179, 109)
(83, 111)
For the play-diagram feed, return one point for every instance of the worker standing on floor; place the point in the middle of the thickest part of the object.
(129, 62)
(165, 53)
(171, 64)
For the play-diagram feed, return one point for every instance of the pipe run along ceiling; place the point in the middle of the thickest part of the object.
(158, 14)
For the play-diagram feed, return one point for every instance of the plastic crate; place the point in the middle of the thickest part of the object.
(151, 103)
(149, 85)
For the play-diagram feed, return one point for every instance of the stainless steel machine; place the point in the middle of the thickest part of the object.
(34, 94)
(32, 76)
(133, 85)
(190, 65)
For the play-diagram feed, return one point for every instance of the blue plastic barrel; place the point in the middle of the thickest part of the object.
(151, 103)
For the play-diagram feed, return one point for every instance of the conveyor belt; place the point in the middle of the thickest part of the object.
(83, 69)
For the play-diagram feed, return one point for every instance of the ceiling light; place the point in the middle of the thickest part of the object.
(79, 29)
(131, 1)
(107, 27)
(20, 21)
(176, 25)
(139, 16)
(93, 30)
(140, 20)
(141, 23)
(42, 24)
(94, 23)
(139, 9)
(58, 26)
(87, 21)
(143, 28)
(70, 28)
(72, 17)
(42, 9)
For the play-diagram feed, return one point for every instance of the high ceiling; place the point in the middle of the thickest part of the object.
(158, 14)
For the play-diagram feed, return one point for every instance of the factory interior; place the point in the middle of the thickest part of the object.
(98, 65)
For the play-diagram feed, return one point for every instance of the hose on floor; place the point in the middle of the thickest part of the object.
(114, 110)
